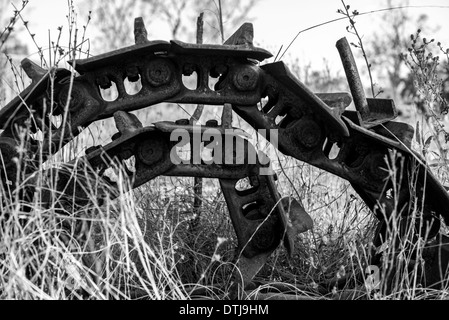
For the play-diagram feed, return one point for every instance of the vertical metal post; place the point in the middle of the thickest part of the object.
(197, 181)
(352, 74)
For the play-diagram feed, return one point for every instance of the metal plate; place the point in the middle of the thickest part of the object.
(180, 47)
(281, 73)
(436, 194)
(120, 55)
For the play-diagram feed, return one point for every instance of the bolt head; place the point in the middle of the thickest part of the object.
(246, 78)
(159, 72)
(182, 122)
(212, 123)
(132, 73)
(103, 82)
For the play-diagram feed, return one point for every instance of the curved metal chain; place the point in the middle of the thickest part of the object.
(304, 125)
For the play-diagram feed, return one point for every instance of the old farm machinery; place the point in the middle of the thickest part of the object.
(304, 125)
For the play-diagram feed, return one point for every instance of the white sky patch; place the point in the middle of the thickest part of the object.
(276, 23)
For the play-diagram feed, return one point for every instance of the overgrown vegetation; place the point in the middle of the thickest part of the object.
(143, 244)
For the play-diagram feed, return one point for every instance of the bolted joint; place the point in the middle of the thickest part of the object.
(246, 78)
(307, 133)
(140, 32)
(151, 151)
(132, 73)
(103, 82)
(159, 72)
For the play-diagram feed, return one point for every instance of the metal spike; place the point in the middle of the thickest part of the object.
(140, 32)
(296, 220)
(32, 70)
(126, 122)
(243, 36)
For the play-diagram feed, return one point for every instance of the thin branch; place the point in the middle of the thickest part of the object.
(360, 14)
(359, 38)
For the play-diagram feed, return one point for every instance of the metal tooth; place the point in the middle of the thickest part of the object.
(243, 36)
(338, 101)
(140, 32)
(32, 70)
(126, 122)
(298, 221)
(182, 122)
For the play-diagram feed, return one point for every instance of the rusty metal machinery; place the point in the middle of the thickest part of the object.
(311, 124)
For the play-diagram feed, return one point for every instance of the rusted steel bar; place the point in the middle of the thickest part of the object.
(352, 74)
